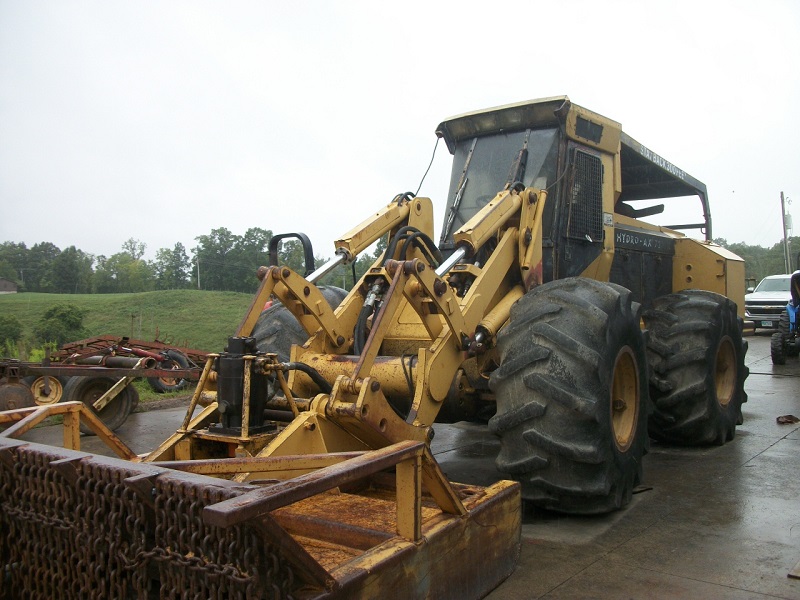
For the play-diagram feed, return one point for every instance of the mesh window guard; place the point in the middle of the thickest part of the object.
(586, 198)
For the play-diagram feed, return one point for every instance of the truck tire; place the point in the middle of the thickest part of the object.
(277, 330)
(173, 360)
(89, 389)
(571, 393)
(696, 352)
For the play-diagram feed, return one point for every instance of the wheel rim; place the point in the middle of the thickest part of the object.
(624, 399)
(725, 371)
(169, 381)
(39, 396)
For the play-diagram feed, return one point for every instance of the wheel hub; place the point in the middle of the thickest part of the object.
(725, 371)
(624, 399)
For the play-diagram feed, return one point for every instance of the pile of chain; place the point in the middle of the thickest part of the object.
(77, 528)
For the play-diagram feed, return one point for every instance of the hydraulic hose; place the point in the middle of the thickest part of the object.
(315, 376)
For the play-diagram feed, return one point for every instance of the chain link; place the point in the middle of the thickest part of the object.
(91, 536)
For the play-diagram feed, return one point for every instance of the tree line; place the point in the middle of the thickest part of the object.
(221, 260)
(225, 261)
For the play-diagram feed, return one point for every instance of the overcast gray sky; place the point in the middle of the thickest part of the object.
(163, 120)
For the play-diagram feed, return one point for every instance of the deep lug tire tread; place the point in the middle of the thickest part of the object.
(685, 331)
(553, 396)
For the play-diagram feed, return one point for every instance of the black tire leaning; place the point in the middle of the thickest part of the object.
(89, 389)
(568, 345)
(173, 360)
(696, 352)
(277, 330)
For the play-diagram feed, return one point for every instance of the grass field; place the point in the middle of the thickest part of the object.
(193, 318)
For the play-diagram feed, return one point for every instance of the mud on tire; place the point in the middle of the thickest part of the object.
(572, 396)
(696, 352)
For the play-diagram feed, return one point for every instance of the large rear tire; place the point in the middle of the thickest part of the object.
(277, 330)
(697, 355)
(89, 389)
(571, 393)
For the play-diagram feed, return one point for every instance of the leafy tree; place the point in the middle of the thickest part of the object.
(292, 254)
(228, 261)
(121, 273)
(172, 268)
(60, 324)
(134, 248)
(250, 252)
(72, 272)
(215, 263)
(7, 271)
(103, 280)
(38, 272)
(10, 329)
(13, 259)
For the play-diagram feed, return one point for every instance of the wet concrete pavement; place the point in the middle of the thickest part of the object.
(719, 522)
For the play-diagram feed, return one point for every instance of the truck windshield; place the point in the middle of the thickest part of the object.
(780, 284)
(482, 166)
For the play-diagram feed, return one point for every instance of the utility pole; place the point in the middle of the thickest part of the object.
(198, 264)
(786, 259)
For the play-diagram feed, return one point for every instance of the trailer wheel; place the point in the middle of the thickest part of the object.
(697, 355)
(56, 391)
(173, 360)
(277, 330)
(89, 389)
(572, 401)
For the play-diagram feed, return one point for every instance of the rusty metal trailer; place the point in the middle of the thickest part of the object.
(97, 371)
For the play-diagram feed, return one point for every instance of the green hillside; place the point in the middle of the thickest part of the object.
(195, 318)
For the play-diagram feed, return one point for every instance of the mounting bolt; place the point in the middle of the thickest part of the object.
(439, 287)
(340, 340)
(306, 291)
(286, 273)
(375, 386)
(420, 267)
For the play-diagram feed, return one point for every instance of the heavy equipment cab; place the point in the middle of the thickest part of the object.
(596, 178)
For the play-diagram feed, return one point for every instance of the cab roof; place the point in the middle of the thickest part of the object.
(645, 174)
